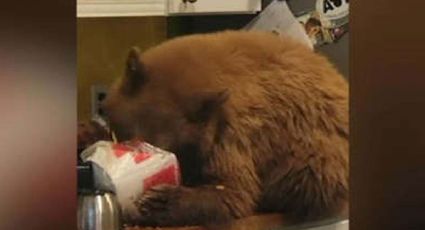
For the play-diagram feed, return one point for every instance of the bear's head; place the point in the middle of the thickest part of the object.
(166, 102)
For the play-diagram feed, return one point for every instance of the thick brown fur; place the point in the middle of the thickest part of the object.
(259, 124)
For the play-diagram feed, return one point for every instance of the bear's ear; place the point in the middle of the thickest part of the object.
(135, 76)
(204, 105)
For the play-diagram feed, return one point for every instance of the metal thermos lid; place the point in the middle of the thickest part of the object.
(92, 179)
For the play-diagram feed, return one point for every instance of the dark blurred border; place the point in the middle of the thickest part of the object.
(37, 115)
(387, 77)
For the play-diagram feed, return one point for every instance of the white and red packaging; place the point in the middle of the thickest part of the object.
(133, 167)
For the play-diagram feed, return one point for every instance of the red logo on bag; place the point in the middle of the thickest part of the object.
(120, 150)
(141, 156)
(168, 175)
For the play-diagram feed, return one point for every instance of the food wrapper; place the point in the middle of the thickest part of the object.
(133, 168)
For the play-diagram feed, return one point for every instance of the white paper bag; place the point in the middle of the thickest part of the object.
(133, 168)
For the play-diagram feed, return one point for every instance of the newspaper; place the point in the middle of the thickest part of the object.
(323, 22)
(327, 23)
(278, 18)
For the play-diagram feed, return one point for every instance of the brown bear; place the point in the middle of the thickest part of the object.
(259, 123)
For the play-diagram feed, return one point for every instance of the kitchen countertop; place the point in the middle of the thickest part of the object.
(254, 222)
(264, 222)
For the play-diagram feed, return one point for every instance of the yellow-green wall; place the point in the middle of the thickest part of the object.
(102, 46)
